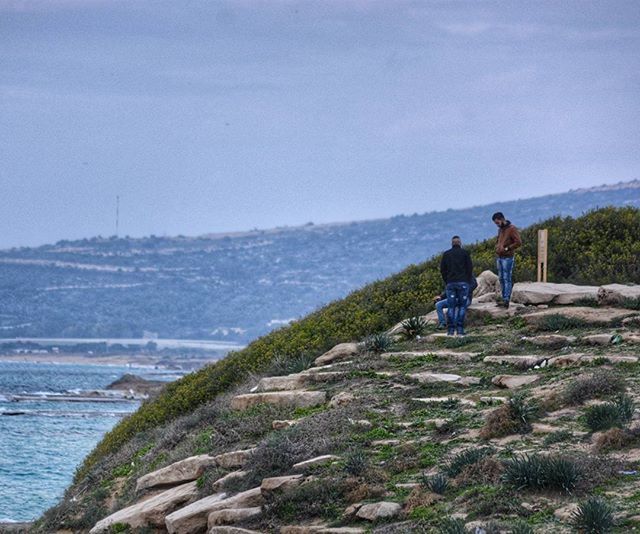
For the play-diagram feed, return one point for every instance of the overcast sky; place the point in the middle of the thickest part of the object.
(209, 116)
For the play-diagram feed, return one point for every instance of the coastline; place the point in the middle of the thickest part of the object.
(119, 360)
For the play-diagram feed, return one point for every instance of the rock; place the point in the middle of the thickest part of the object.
(282, 424)
(427, 378)
(229, 460)
(489, 297)
(275, 484)
(519, 360)
(341, 399)
(541, 428)
(631, 322)
(363, 423)
(283, 383)
(631, 338)
(379, 510)
(597, 339)
(615, 294)
(565, 513)
(231, 530)
(339, 352)
(150, 512)
(136, 385)
(487, 285)
(577, 359)
(586, 314)
(428, 319)
(176, 473)
(514, 381)
(552, 341)
(193, 518)
(445, 354)
(219, 484)
(320, 529)
(288, 399)
(233, 515)
(548, 293)
(493, 400)
(313, 462)
(479, 312)
(430, 400)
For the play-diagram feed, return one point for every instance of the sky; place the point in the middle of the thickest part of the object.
(215, 116)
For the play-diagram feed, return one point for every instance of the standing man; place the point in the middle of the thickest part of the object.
(456, 269)
(508, 241)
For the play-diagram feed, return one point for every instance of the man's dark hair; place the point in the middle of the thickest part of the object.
(455, 237)
(497, 215)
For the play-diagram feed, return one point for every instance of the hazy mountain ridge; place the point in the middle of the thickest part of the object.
(242, 284)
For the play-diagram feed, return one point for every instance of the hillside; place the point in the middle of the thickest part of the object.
(194, 415)
(238, 286)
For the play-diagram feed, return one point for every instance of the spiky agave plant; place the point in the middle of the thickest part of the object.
(522, 410)
(593, 516)
(413, 327)
(610, 414)
(467, 457)
(378, 343)
(436, 483)
(449, 525)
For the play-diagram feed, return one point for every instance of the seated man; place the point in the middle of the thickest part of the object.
(442, 304)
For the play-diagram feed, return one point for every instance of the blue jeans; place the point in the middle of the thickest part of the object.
(442, 305)
(505, 271)
(457, 300)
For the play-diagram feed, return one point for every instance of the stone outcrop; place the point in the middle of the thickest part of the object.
(288, 399)
(151, 512)
(550, 341)
(219, 484)
(577, 359)
(233, 515)
(379, 510)
(193, 518)
(341, 399)
(616, 294)
(586, 314)
(342, 351)
(514, 381)
(426, 378)
(487, 284)
(597, 339)
(231, 530)
(276, 484)
(444, 354)
(547, 293)
(230, 460)
(517, 360)
(182, 471)
(302, 467)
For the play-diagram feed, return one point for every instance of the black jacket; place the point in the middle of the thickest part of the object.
(456, 265)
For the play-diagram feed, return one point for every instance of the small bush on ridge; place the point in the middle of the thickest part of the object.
(378, 343)
(542, 473)
(413, 327)
(610, 414)
(593, 516)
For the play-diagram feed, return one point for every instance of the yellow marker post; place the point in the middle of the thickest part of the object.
(543, 240)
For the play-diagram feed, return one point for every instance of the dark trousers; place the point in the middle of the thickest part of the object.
(457, 301)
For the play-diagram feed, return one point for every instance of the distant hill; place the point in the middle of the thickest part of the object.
(238, 286)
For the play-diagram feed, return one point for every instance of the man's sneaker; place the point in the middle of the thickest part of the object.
(461, 333)
(450, 332)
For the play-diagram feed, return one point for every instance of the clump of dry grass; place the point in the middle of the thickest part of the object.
(597, 385)
(513, 417)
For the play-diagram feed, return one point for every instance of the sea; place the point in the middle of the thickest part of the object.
(42, 442)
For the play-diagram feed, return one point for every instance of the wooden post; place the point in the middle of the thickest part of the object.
(543, 240)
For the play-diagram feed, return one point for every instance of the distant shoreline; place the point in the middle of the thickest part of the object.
(119, 360)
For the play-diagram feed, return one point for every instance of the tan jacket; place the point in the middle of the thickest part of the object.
(508, 241)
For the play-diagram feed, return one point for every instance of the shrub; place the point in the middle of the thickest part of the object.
(436, 483)
(557, 437)
(632, 303)
(283, 365)
(610, 414)
(356, 462)
(512, 417)
(542, 473)
(593, 516)
(488, 470)
(413, 327)
(466, 458)
(450, 525)
(378, 343)
(521, 528)
(555, 322)
(596, 385)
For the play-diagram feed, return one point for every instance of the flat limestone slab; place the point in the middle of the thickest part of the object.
(231, 530)
(342, 351)
(514, 381)
(176, 473)
(192, 519)
(577, 359)
(437, 400)
(427, 378)
(550, 340)
(233, 515)
(230, 460)
(519, 360)
(617, 293)
(290, 399)
(150, 512)
(587, 314)
(548, 293)
(313, 462)
(445, 354)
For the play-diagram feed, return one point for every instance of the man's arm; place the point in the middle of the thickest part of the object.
(468, 265)
(516, 240)
(443, 268)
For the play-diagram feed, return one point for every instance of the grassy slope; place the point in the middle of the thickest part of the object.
(600, 247)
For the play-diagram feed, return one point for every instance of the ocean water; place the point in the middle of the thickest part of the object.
(43, 443)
